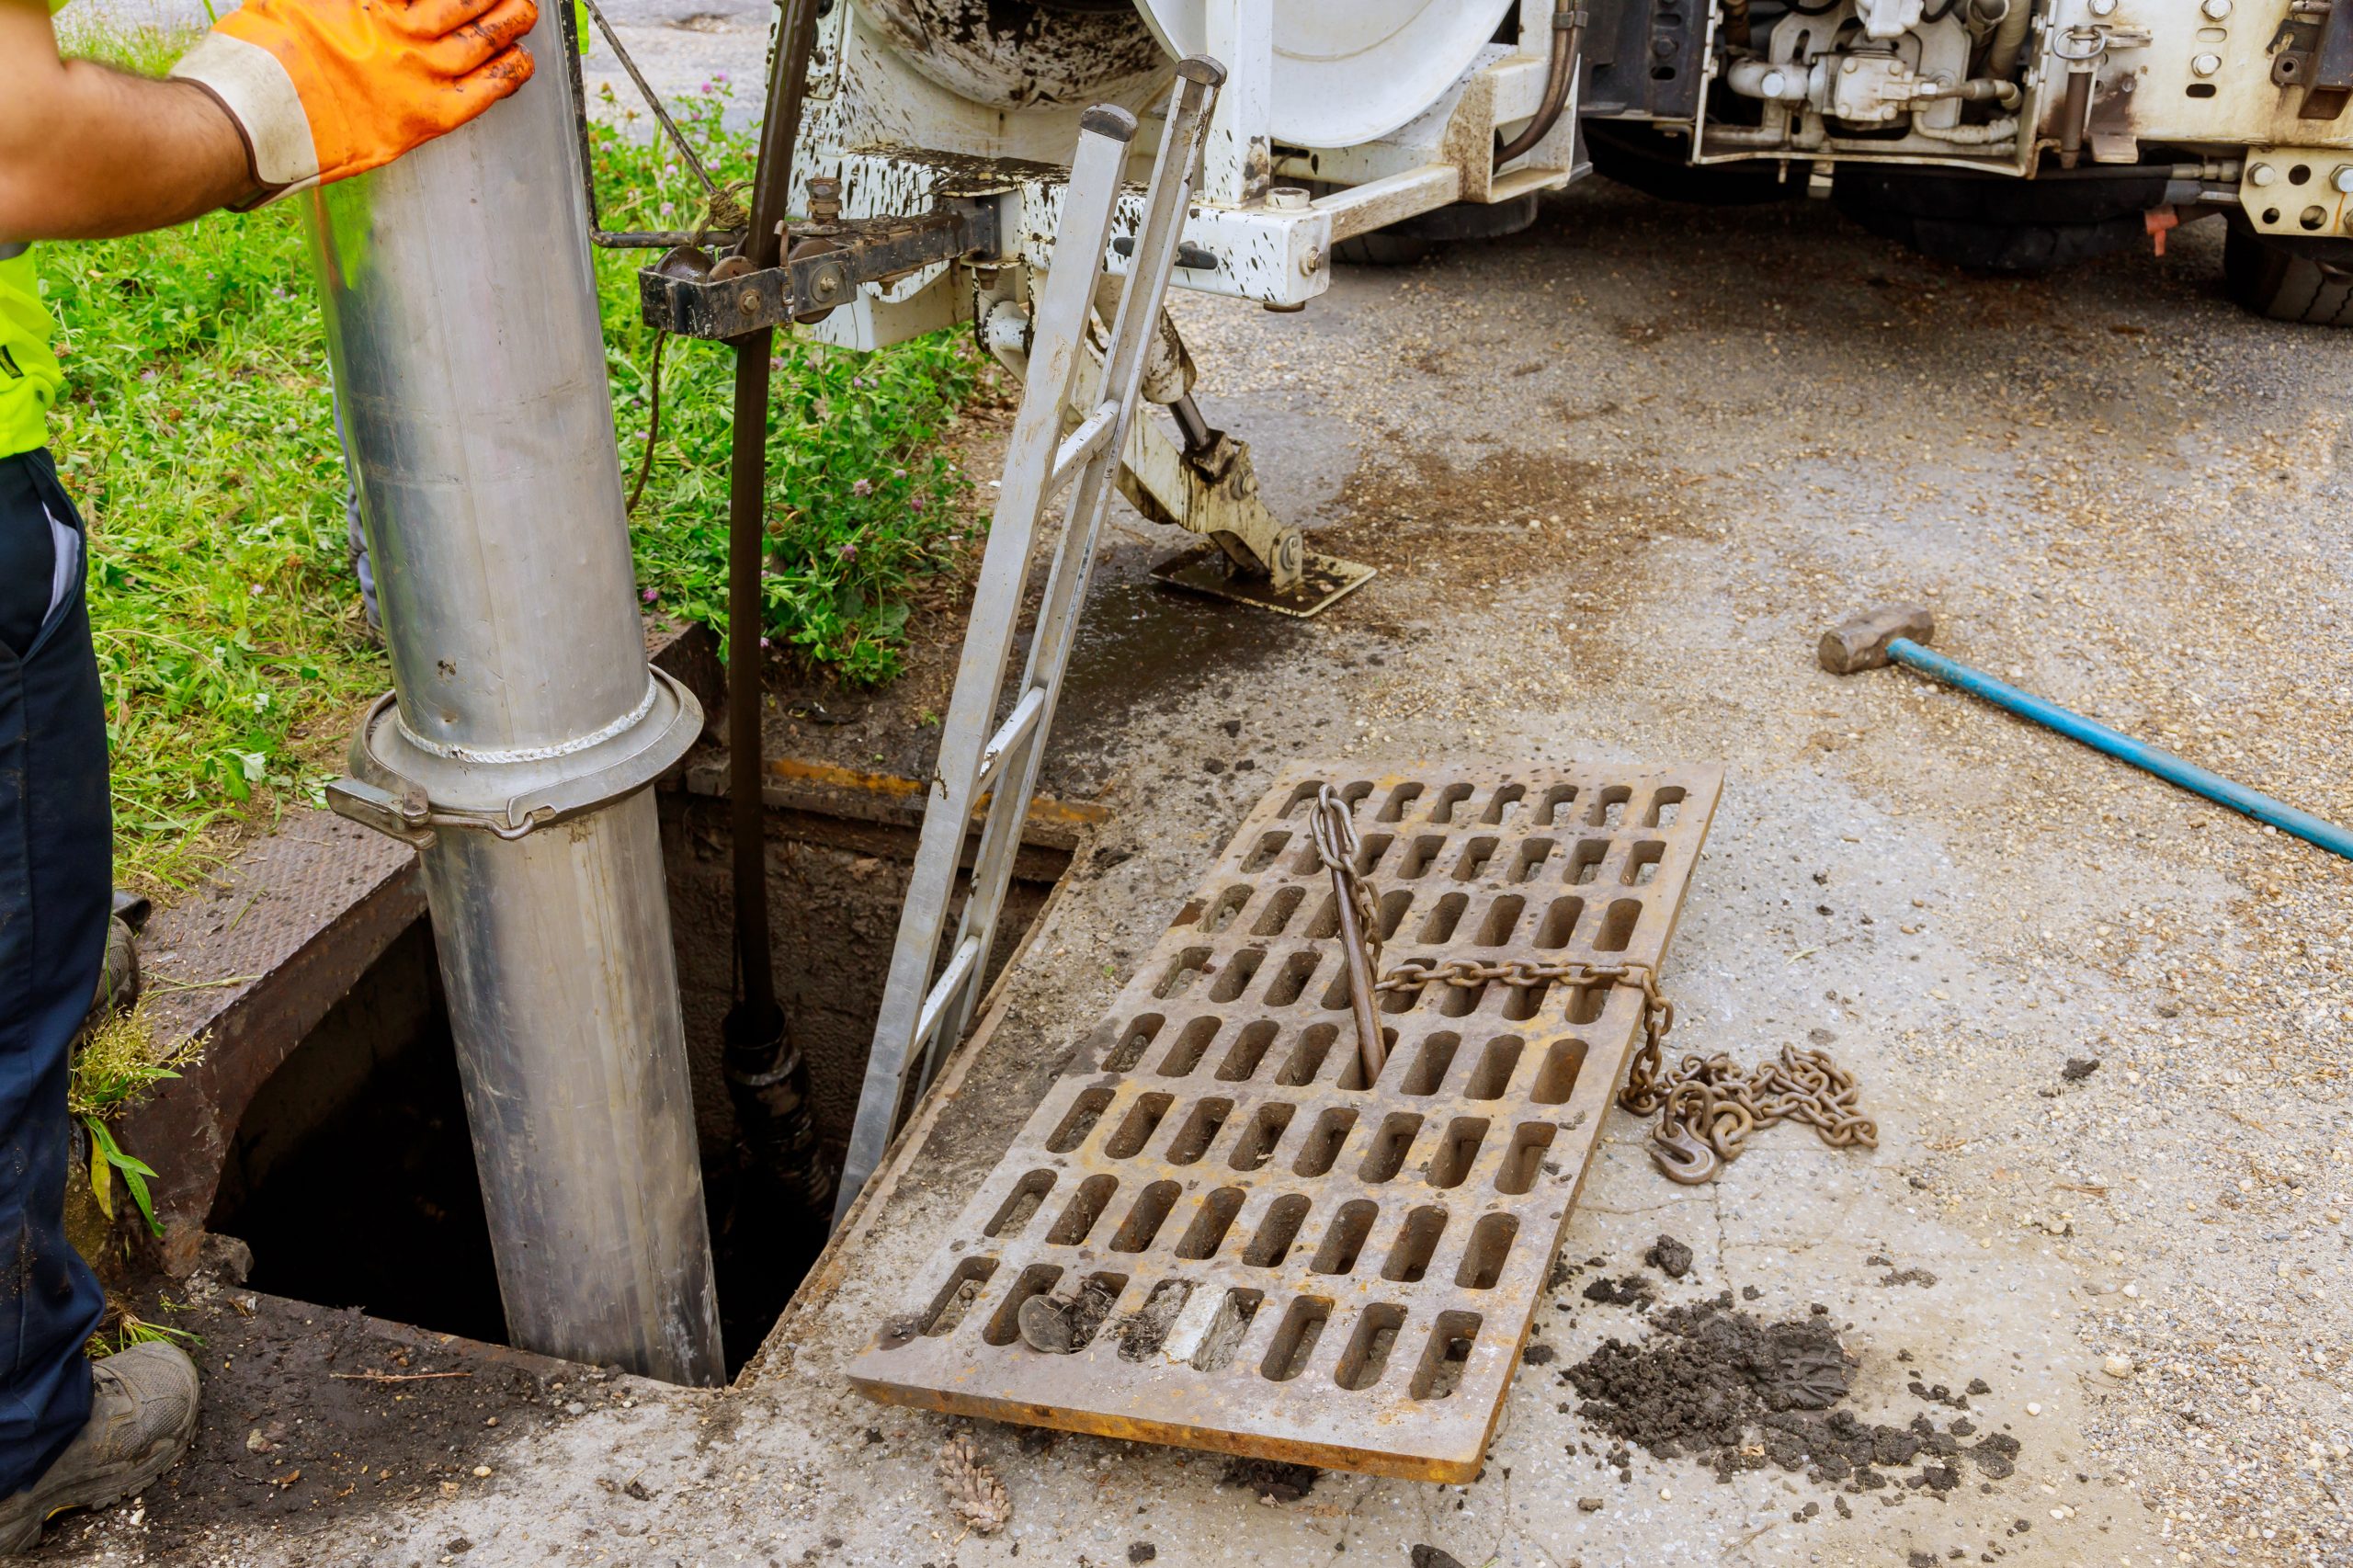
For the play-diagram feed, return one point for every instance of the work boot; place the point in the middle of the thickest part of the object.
(118, 979)
(142, 1414)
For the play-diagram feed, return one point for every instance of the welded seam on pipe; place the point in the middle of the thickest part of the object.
(620, 726)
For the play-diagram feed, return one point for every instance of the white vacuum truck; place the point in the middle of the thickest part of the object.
(2006, 135)
(2002, 134)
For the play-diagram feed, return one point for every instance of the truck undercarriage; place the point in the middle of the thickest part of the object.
(2000, 137)
(2010, 135)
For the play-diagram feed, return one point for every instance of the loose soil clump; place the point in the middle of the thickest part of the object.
(1717, 1385)
(1669, 1256)
(1634, 1291)
(315, 1418)
(1271, 1481)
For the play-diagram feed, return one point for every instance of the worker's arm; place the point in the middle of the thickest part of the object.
(86, 151)
(281, 95)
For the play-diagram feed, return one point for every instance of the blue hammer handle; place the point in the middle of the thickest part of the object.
(2118, 745)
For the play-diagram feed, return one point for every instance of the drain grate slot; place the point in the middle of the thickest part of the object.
(1310, 1268)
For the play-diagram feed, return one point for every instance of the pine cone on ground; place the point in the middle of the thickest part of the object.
(975, 1494)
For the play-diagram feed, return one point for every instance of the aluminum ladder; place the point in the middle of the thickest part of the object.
(926, 1005)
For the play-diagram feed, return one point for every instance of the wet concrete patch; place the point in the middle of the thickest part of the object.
(1470, 535)
(1145, 648)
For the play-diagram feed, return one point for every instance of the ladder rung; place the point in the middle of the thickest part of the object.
(1010, 736)
(943, 989)
(1080, 445)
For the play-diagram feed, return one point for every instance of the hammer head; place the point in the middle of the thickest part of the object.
(1859, 642)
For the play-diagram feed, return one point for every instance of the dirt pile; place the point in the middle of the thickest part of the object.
(1717, 1385)
(1632, 1290)
(1272, 1481)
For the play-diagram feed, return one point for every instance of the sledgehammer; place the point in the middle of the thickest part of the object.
(1898, 634)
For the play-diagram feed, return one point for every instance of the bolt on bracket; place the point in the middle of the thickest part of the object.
(690, 294)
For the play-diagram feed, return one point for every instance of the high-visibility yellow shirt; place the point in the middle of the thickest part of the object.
(29, 374)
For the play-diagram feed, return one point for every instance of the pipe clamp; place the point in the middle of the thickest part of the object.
(406, 792)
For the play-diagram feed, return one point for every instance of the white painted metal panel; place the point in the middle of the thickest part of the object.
(1348, 71)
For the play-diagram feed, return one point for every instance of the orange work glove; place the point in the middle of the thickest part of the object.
(325, 89)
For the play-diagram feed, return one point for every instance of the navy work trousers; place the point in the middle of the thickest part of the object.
(56, 878)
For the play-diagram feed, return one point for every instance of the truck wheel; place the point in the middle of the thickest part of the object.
(2285, 282)
(1643, 158)
(1403, 243)
(1382, 247)
(1995, 225)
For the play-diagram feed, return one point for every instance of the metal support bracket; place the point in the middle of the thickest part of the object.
(2330, 84)
(406, 788)
(689, 294)
(1252, 556)
(1213, 492)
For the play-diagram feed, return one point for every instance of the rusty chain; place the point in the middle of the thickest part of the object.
(1334, 829)
(1658, 1013)
(1707, 1106)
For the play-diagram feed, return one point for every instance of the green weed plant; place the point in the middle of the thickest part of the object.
(114, 1066)
(862, 501)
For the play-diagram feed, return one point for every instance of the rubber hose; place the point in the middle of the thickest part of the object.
(2009, 37)
(1560, 75)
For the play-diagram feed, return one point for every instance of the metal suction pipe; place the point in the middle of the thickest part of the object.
(525, 729)
(767, 1077)
(1560, 75)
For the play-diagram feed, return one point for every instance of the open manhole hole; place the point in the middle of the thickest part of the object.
(351, 1175)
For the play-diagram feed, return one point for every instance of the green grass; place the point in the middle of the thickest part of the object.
(196, 431)
(861, 501)
(150, 51)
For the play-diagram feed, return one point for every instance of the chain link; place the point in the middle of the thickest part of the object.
(1333, 828)
(1707, 1106)
(1658, 1013)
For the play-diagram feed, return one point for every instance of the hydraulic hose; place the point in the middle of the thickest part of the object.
(2009, 37)
(768, 1080)
(1560, 75)
(1735, 28)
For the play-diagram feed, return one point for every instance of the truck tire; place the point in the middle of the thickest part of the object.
(1638, 156)
(1410, 241)
(2286, 281)
(1382, 247)
(1996, 224)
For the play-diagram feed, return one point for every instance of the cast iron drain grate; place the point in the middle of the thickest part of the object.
(1249, 1248)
